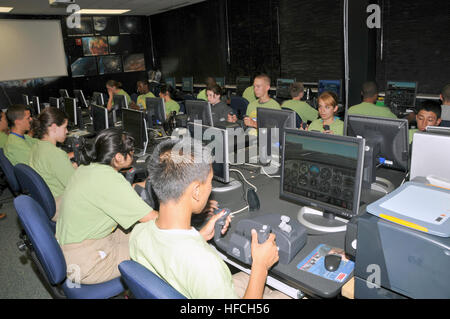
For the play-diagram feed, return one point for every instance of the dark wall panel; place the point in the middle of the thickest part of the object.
(311, 39)
(416, 43)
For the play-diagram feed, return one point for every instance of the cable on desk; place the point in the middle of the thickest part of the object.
(262, 168)
(239, 211)
(235, 170)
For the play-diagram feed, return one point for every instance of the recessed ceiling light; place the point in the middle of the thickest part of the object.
(103, 11)
(6, 9)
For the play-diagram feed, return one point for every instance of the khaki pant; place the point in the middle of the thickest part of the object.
(240, 281)
(96, 260)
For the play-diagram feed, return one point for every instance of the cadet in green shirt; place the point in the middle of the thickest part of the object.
(18, 145)
(210, 81)
(143, 89)
(328, 106)
(249, 94)
(369, 93)
(428, 114)
(166, 94)
(303, 109)
(178, 253)
(49, 161)
(115, 88)
(97, 199)
(4, 130)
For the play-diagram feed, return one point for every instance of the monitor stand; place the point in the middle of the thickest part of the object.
(321, 221)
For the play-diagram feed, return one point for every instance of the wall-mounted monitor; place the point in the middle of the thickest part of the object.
(129, 25)
(109, 64)
(85, 28)
(93, 46)
(84, 67)
(134, 62)
(106, 25)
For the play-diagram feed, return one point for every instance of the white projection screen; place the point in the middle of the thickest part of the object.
(31, 49)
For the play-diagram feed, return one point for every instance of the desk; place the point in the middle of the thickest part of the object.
(307, 283)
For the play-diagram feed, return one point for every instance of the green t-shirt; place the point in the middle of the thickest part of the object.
(171, 106)
(337, 126)
(3, 139)
(249, 94)
(97, 199)
(303, 109)
(370, 109)
(411, 134)
(251, 108)
(122, 92)
(184, 259)
(141, 99)
(202, 95)
(18, 149)
(52, 164)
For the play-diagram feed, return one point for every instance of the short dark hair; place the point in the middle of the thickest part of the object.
(107, 144)
(215, 88)
(175, 164)
(430, 106)
(446, 93)
(46, 118)
(296, 88)
(15, 112)
(264, 77)
(166, 88)
(369, 89)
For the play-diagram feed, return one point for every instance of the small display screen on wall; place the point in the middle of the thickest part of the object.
(106, 25)
(95, 46)
(86, 28)
(84, 67)
(134, 62)
(109, 64)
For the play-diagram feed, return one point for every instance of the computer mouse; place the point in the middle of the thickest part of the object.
(253, 200)
(332, 262)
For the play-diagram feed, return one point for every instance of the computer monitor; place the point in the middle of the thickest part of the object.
(78, 94)
(322, 172)
(271, 125)
(172, 82)
(99, 118)
(36, 105)
(330, 86)
(119, 103)
(400, 96)
(98, 98)
(217, 140)
(134, 123)
(438, 130)
(242, 82)
(156, 111)
(387, 145)
(187, 84)
(54, 102)
(25, 99)
(220, 81)
(63, 93)
(73, 112)
(200, 111)
(283, 88)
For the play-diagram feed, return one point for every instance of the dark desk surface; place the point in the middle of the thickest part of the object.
(268, 192)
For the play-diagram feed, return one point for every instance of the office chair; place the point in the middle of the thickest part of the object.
(298, 119)
(144, 284)
(239, 106)
(8, 169)
(46, 253)
(33, 184)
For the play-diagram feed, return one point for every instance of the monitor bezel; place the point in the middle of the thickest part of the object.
(64, 93)
(160, 102)
(74, 109)
(327, 208)
(101, 95)
(285, 80)
(55, 99)
(206, 104)
(144, 127)
(106, 116)
(36, 104)
(83, 103)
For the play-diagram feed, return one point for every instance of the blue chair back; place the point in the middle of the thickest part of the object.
(8, 169)
(298, 119)
(33, 184)
(144, 284)
(49, 257)
(239, 105)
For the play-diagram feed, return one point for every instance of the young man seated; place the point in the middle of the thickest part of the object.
(18, 145)
(369, 94)
(428, 114)
(144, 91)
(303, 109)
(169, 246)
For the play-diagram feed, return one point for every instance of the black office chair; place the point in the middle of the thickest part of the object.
(239, 106)
(298, 119)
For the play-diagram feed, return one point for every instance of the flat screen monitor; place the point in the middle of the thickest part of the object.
(134, 123)
(400, 96)
(98, 98)
(54, 102)
(242, 82)
(322, 172)
(156, 111)
(78, 94)
(200, 111)
(330, 86)
(187, 84)
(99, 118)
(271, 124)
(119, 103)
(387, 143)
(220, 81)
(217, 140)
(63, 93)
(283, 88)
(25, 99)
(171, 81)
(36, 105)
(73, 112)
